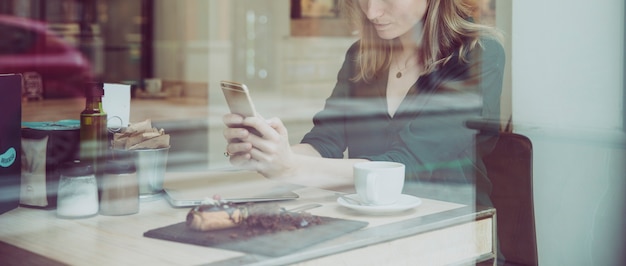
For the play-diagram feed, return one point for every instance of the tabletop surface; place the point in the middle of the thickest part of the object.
(105, 240)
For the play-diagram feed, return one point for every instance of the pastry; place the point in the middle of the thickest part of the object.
(214, 216)
(218, 215)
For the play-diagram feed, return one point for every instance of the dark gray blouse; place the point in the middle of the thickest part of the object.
(428, 132)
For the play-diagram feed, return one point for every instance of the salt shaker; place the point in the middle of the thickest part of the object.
(120, 188)
(78, 191)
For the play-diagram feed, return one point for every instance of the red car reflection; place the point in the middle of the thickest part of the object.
(30, 46)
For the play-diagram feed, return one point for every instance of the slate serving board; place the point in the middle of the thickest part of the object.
(262, 242)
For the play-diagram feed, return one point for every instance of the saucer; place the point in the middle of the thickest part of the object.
(405, 202)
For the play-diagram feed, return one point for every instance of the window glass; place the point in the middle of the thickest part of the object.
(16, 40)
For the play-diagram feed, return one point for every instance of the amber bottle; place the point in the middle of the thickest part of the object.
(93, 129)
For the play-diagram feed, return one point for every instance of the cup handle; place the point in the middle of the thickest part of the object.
(370, 193)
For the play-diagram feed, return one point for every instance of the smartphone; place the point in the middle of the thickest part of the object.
(239, 101)
(238, 98)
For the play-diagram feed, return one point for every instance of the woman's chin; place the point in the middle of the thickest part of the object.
(387, 36)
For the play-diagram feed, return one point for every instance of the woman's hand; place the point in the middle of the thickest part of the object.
(270, 153)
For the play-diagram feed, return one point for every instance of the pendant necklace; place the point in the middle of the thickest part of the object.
(399, 74)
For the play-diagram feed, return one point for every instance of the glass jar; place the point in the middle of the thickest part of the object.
(120, 188)
(78, 191)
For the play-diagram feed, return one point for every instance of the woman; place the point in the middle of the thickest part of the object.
(420, 69)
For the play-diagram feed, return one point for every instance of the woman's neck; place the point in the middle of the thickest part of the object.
(412, 39)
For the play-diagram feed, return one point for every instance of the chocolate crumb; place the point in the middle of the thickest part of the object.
(272, 218)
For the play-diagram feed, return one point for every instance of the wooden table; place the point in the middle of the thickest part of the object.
(434, 233)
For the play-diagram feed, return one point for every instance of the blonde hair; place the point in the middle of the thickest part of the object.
(446, 31)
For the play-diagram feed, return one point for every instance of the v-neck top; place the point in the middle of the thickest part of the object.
(427, 132)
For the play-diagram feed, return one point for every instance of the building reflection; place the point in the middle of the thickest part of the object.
(115, 36)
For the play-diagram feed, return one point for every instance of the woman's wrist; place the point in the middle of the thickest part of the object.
(293, 168)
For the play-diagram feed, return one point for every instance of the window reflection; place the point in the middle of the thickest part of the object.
(290, 63)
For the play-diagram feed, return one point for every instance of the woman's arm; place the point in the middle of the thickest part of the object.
(305, 149)
(322, 172)
(272, 156)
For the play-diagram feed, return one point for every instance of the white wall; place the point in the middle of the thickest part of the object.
(567, 96)
(568, 62)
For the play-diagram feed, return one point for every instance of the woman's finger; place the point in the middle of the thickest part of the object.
(260, 155)
(235, 134)
(241, 160)
(277, 125)
(232, 120)
(262, 126)
(238, 148)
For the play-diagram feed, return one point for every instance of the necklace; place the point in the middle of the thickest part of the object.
(399, 74)
(406, 65)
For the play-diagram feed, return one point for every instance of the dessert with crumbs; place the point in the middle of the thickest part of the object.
(217, 214)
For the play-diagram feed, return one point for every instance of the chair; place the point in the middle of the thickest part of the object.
(508, 163)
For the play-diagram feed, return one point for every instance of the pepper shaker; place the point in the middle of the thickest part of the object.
(120, 188)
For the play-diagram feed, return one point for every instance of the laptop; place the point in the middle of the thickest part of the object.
(187, 189)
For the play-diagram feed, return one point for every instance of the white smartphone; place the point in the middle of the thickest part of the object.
(239, 101)
(238, 98)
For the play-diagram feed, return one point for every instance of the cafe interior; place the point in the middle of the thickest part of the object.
(562, 184)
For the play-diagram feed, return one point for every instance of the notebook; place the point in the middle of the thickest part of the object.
(187, 189)
(10, 140)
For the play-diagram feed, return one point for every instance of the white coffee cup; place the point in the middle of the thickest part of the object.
(378, 182)
(153, 85)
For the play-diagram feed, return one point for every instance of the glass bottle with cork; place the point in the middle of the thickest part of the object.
(93, 129)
